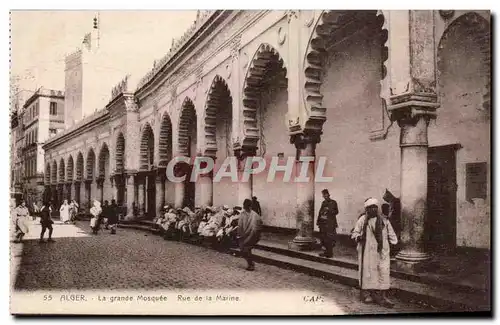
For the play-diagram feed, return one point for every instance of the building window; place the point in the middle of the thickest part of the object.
(36, 109)
(36, 134)
(476, 181)
(53, 108)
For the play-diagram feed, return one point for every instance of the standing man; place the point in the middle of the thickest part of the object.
(249, 227)
(256, 206)
(327, 223)
(373, 233)
(46, 221)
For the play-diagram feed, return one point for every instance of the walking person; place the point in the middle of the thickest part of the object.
(64, 212)
(95, 211)
(327, 223)
(249, 228)
(373, 234)
(46, 221)
(113, 216)
(21, 221)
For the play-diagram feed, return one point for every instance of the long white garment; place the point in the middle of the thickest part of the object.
(374, 267)
(64, 212)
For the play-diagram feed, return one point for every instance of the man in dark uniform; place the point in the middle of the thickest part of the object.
(327, 223)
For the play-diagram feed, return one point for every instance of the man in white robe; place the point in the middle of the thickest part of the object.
(373, 233)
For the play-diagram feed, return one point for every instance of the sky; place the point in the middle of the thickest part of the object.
(131, 40)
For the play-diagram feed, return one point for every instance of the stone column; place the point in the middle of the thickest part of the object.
(141, 197)
(160, 190)
(131, 195)
(77, 191)
(180, 187)
(245, 188)
(100, 190)
(93, 191)
(112, 188)
(68, 191)
(306, 154)
(206, 186)
(412, 103)
(88, 184)
(83, 195)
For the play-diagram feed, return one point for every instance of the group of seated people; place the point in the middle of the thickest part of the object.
(216, 226)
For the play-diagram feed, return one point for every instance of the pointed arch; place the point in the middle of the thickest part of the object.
(334, 26)
(475, 26)
(218, 105)
(104, 161)
(147, 148)
(265, 62)
(62, 171)
(120, 153)
(90, 166)
(165, 141)
(79, 167)
(187, 128)
(70, 169)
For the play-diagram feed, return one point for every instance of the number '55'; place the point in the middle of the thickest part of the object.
(47, 297)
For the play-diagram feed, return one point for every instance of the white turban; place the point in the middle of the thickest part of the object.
(371, 201)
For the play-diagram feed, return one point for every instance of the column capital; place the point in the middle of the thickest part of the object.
(244, 152)
(300, 140)
(88, 181)
(410, 106)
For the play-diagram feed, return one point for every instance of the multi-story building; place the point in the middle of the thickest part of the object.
(41, 117)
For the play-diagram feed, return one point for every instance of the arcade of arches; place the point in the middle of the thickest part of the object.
(353, 90)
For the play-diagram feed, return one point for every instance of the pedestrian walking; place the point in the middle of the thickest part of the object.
(327, 223)
(95, 212)
(373, 233)
(46, 221)
(256, 206)
(249, 228)
(113, 216)
(64, 212)
(21, 221)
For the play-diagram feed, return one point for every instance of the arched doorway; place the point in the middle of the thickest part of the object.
(120, 169)
(265, 107)
(460, 138)
(79, 178)
(218, 143)
(147, 190)
(61, 182)
(165, 155)
(187, 148)
(69, 177)
(104, 184)
(90, 184)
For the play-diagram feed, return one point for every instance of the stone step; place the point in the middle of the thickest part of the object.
(350, 263)
(438, 297)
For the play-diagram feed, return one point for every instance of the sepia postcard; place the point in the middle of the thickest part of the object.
(250, 162)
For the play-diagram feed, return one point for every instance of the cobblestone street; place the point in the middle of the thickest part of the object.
(134, 260)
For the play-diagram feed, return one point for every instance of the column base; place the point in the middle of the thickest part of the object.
(302, 244)
(412, 261)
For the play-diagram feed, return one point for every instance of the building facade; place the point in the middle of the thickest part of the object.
(41, 116)
(396, 100)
